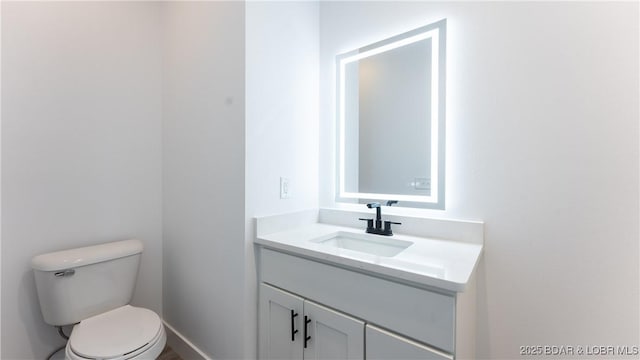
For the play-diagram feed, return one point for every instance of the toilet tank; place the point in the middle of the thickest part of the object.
(78, 283)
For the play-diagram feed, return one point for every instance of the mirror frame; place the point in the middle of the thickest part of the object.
(437, 33)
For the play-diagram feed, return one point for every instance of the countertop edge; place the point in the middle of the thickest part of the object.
(371, 269)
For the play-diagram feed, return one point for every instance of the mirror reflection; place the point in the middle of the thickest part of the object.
(391, 120)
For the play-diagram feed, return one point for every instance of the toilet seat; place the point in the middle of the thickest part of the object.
(126, 332)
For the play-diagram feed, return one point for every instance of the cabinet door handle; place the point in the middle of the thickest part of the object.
(293, 325)
(307, 320)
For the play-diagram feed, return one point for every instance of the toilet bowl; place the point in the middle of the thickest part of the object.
(127, 332)
(91, 287)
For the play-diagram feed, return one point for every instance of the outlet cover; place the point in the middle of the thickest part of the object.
(285, 188)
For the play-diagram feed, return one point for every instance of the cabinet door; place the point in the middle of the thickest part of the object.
(383, 345)
(331, 335)
(280, 334)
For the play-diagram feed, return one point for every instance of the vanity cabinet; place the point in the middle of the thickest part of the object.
(384, 345)
(280, 336)
(332, 335)
(292, 327)
(329, 334)
(353, 314)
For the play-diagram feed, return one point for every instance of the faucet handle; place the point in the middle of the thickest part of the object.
(369, 222)
(387, 227)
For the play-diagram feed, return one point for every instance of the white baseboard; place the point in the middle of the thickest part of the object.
(182, 346)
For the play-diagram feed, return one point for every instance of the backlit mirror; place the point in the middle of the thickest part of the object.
(391, 120)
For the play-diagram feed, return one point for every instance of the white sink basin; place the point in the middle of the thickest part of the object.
(365, 243)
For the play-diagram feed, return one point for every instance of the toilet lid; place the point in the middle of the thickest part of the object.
(115, 332)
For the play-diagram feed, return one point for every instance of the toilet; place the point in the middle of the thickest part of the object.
(90, 288)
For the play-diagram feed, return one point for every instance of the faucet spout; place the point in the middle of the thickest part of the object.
(377, 206)
(378, 229)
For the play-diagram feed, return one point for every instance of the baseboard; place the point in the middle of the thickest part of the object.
(182, 346)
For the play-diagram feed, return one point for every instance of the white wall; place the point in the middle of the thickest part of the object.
(81, 156)
(282, 46)
(203, 174)
(0, 179)
(542, 144)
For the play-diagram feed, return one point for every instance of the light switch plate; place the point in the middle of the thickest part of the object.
(285, 188)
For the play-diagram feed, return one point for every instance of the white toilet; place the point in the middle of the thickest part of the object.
(91, 287)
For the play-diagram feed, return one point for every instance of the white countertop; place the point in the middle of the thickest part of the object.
(438, 263)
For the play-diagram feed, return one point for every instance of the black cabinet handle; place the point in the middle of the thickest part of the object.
(293, 325)
(307, 320)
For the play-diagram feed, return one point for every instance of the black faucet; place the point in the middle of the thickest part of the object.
(378, 229)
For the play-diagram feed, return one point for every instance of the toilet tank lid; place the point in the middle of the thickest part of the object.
(87, 255)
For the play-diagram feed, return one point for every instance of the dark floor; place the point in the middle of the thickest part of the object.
(168, 354)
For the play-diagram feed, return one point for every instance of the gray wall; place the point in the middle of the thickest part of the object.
(281, 122)
(542, 144)
(81, 151)
(203, 174)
